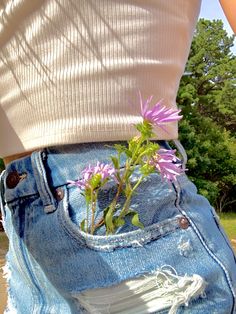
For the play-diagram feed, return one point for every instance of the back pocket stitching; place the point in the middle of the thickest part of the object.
(136, 238)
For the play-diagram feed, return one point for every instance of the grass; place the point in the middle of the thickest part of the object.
(228, 221)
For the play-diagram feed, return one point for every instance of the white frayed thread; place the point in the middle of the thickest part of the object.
(137, 243)
(2, 221)
(161, 290)
(10, 309)
(185, 247)
(6, 271)
(176, 291)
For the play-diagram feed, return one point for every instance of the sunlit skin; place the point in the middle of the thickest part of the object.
(229, 8)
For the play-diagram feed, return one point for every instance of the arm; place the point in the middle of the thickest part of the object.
(229, 8)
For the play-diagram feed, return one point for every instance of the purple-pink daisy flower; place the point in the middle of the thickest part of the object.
(104, 170)
(166, 162)
(159, 114)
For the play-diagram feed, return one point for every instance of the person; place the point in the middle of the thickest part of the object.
(70, 74)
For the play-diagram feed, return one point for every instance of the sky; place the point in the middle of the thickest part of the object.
(210, 10)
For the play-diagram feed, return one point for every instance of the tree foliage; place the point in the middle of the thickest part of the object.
(207, 96)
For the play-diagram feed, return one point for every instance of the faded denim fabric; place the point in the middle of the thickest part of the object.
(181, 262)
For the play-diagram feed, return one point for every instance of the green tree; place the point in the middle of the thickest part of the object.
(207, 96)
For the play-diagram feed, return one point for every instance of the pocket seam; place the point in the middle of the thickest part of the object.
(136, 238)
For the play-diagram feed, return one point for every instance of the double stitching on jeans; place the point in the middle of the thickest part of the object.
(42, 184)
(181, 209)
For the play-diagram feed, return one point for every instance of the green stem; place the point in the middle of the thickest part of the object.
(123, 180)
(128, 199)
(136, 150)
(141, 155)
(112, 205)
(94, 201)
(87, 214)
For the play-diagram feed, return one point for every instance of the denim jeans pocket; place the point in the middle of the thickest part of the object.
(154, 202)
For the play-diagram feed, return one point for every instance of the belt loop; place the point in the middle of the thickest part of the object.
(2, 197)
(46, 195)
(182, 153)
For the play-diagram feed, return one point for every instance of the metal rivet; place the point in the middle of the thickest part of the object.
(12, 179)
(183, 223)
(59, 194)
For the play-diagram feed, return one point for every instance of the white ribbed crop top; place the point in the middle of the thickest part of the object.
(70, 70)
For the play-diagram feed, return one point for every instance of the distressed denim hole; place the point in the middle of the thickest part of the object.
(161, 290)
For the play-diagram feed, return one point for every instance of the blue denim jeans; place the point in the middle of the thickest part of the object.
(181, 262)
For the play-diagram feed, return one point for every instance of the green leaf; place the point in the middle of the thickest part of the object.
(145, 128)
(82, 225)
(128, 153)
(139, 127)
(151, 149)
(147, 169)
(115, 162)
(108, 219)
(118, 222)
(133, 144)
(136, 222)
(120, 148)
(135, 218)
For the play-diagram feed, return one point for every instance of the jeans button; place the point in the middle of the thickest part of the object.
(12, 179)
(183, 223)
(59, 194)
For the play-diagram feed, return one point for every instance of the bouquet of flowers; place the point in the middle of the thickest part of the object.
(140, 151)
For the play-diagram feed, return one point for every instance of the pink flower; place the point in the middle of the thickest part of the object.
(105, 170)
(159, 114)
(87, 174)
(167, 164)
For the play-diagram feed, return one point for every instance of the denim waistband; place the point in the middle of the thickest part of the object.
(52, 167)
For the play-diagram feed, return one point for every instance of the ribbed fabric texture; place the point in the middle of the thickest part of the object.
(70, 71)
